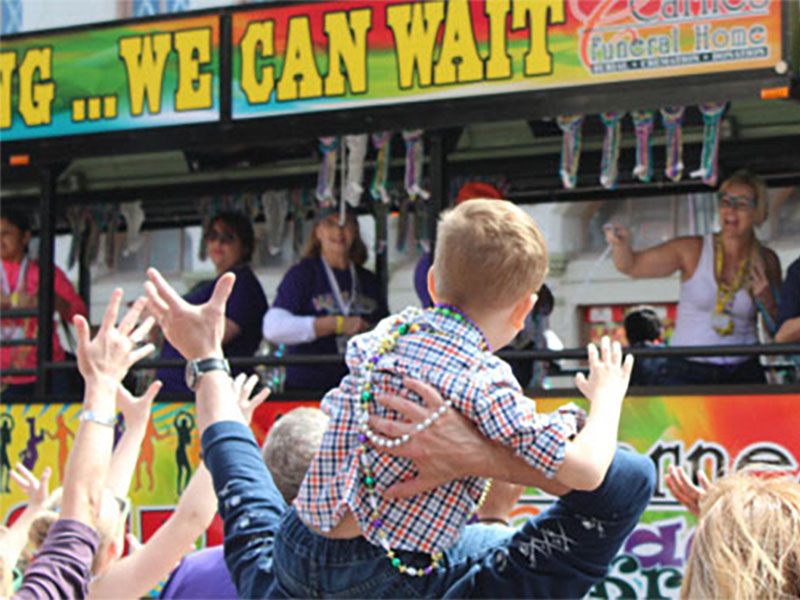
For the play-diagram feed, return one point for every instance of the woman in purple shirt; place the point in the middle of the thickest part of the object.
(324, 300)
(229, 244)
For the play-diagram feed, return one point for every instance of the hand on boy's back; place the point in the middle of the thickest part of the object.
(195, 331)
(608, 374)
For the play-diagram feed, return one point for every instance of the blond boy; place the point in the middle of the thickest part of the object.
(343, 536)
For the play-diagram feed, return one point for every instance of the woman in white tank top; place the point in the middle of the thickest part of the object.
(724, 277)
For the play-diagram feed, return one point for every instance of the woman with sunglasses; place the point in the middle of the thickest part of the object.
(324, 300)
(726, 278)
(229, 245)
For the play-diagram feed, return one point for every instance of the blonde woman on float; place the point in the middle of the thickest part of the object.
(726, 278)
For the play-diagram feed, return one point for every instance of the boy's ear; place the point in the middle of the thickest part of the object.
(432, 286)
(521, 310)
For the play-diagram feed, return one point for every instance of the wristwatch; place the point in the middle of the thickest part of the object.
(196, 368)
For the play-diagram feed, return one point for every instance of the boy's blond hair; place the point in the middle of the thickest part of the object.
(489, 254)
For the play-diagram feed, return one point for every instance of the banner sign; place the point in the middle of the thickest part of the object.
(130, 76)
(713, 433)
(321, 56)
(342, 55)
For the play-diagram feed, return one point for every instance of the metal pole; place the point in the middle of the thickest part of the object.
(382, 248)
(44, 352)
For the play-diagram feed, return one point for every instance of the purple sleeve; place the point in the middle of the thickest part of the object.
(790, 296)
(421, 280)
(295, 290)
(63, 566)
(247, 303)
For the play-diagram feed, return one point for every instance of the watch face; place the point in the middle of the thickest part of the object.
(190, 374)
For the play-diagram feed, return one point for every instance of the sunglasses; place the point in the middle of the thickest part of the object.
(222, 236)
(741, 203)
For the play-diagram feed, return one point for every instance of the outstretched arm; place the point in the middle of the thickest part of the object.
(660, 261)
(13, 542)
(137, 413)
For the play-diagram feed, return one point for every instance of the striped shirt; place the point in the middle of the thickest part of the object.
(447, 354)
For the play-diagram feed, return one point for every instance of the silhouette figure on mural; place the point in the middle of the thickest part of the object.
(6, 427)
(146, 455)
(119, 429)
(30, 454)
(183, 423)
(62, 434)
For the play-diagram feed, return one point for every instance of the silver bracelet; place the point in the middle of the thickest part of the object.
(95, 417)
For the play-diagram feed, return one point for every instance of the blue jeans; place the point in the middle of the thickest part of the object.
(249, 503)
(560, 553)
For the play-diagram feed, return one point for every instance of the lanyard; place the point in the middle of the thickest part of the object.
(15, 331)
(23, 268)
(337, 291)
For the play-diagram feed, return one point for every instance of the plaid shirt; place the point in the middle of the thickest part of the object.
(447, 354)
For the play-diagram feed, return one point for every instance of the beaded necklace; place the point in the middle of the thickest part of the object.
(721, 320)
(401, 328)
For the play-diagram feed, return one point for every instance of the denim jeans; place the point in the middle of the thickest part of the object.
(249, 503)
(559, 553)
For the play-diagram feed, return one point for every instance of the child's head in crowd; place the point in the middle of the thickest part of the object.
(747, 543)
(490, 261)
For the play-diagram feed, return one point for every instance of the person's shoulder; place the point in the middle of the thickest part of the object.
(304, 267)
(794, 268)
(365, 274)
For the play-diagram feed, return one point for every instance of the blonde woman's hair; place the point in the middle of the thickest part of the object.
(358, 249)
(759, 188)
(747, 543)
(489, 254)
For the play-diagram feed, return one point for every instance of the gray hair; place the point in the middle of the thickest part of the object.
(290, 446)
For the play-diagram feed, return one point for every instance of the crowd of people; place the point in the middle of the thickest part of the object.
(402, 483)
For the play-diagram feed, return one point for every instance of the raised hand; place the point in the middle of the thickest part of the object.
(684, 490)
(195, 331)
(608, 374)
(243, 386)
(113, 350)
(616, 234)
(37, 490)
(136, 409)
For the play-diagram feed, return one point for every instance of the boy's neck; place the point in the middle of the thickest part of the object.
(490, 323)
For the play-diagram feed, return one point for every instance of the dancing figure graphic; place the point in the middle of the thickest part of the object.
(184, 424)
(30, 454)
(6, 427)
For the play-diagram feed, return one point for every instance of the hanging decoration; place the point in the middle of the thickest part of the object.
(572, 126)
(415, 156)
(326, 179)
(382, 142)
(275, 204)
(609, 163)
(353, 175)
(133, 214)
(672, 117)
(709, 158)
(643, 122)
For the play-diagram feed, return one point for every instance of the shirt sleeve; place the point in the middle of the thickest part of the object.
(294, 290)
(504, 414)
(63, 566)
(790, 295)
(64, 289)
(282, 327)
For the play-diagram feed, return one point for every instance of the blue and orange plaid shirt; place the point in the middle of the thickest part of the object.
(447, 354)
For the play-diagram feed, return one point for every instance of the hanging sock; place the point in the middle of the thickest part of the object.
(382, 142)
(77, 219)
(133, 214)
(356, 154)
(326, 178)
(415, 156)
(643, 122)
(572, 126)
(609, 164)
(709, 158)
(672, 117)
(275, 204)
